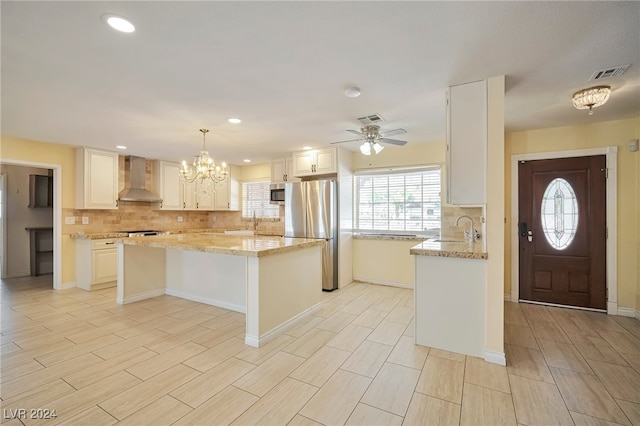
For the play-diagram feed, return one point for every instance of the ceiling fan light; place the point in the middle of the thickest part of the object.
(365, 148)
(591, 98)
(377, 147)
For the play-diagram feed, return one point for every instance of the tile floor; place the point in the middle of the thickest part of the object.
(171, 361)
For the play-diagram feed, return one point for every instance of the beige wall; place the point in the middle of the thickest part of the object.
(596, 135)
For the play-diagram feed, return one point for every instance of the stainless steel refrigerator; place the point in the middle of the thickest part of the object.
(310, 211)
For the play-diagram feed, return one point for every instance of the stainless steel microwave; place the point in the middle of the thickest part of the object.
(277, 193)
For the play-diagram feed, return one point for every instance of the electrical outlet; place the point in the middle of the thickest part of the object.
(85, 220)
(180, 219)
(70, 220)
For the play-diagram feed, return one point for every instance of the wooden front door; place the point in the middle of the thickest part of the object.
(562, 231)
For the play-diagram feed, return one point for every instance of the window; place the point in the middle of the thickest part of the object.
(399, 201)
(559, 213)
(255, 198)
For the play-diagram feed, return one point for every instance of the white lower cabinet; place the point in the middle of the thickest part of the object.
(96, 263)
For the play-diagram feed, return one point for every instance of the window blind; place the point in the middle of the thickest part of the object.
(255, 198)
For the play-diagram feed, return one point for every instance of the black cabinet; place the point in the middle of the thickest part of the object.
(40, 191)
(41, 250)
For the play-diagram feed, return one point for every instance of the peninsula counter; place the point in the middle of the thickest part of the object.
(450, 296)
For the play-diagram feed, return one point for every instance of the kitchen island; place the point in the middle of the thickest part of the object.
(273, 280)
(449, 295)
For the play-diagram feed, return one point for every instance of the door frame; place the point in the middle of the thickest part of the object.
(57, 214)
(611, 154)
(3, 226)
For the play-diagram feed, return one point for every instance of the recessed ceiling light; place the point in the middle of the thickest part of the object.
(306, 148)
(246, 160)
(119, 23)
(234, 120)
(121, 147)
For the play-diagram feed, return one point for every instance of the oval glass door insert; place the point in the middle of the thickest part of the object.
(559, 213)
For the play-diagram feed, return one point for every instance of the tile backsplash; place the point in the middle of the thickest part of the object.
(139, 216)
(448, 228)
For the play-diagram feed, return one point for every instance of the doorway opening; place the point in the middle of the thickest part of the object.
(54, 258)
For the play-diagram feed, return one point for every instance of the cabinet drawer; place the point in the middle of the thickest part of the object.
(103, 244)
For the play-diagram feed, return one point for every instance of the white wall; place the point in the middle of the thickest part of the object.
(20, 216)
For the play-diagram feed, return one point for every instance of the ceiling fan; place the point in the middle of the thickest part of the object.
(372, 137)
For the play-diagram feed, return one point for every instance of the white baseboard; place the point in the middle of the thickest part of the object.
(19, 274)
(495, 357)
(382, 282)
(68, 284)
(140, 296)
(628, 312)
(206, 300)
(276, 331)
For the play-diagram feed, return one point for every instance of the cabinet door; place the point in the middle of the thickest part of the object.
(98, 179)
(105, 265)
(205, 195)
(278, 170)
(303, 163)
(189, 198)
(170, 186)
(325, 161)
(222, 195)
(228, 192)
(467, 143)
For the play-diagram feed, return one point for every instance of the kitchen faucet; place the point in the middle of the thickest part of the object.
(469, 235)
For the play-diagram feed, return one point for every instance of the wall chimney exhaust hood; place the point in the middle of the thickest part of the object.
(135, 168)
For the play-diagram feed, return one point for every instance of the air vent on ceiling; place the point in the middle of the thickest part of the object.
(370, 119)
(609, 72)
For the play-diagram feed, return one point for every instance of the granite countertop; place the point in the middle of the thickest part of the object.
(459, 249)
(397, 237)
(97, 235)
(238, 245)
(113, 234)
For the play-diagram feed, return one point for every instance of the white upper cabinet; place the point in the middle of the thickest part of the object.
(203, 196)
(282, 170)
(315, 162)
(96, 179)
(227, 194)
(467, 143)
(168, 184)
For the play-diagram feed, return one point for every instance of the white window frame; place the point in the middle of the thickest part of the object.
(359, 227)
(247, 212)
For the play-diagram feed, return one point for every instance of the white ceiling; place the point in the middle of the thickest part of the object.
(282, 67)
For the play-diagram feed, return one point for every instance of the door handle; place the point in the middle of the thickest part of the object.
(530, 235)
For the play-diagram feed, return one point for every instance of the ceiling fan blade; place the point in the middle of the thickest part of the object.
(392, 132)
(393, 141)
(350, 140)
(355, 132)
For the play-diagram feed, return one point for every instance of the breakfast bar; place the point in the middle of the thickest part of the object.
(273, 280)
(450, 292)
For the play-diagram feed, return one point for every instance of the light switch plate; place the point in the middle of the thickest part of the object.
(85, 220)
(179, 218)
(70, 220)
